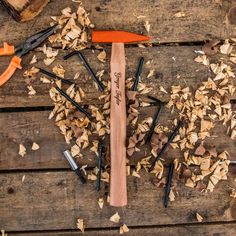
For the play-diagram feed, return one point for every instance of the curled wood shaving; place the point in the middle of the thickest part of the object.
(59, 70)
(233, 193)
(31, 73)
(163, 90)
(135, 174)
(157, 142)
(102, 56)
(150, 74)
(147, 26)
(45, 80)
(80, 225)
(226, 48)
(3, 232)
(179, 14)
(33, 60)
(31, 90)
(199, 217)
(158, 169)
(92, 177)
(115, 218)
(171, 196)
(22, 150)
(35, 146)
(124, 229)
(75, 150)
(100, 202)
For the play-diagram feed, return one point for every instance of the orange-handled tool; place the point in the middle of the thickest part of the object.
(19, 51)
(118, 186)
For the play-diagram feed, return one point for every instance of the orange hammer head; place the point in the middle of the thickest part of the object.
(117, 37)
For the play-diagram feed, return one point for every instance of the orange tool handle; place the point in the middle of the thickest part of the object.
(7, 50)
(118, 188)
(7, 74)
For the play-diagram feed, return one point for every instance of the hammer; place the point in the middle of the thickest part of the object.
(118, 188)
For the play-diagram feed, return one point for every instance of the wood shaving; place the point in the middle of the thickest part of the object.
(233, 193)
(75, 150)
(135, 174)
(35, 146)
(163, 90)
(171, 196)
(59, 70)
(49, 61)
(115, 218)
(179, 14)
(202, 59)
(226, 48)
(23, 179)
(31, 90)
(100, 202)
(92, 177)
(3, 232)
(102, 56)
(199, 217)
(147, 26)
(124, 229)
(22, 150)
(45, 80)
(151, 73)
(34, 59)
(31, 73)
(80, 225)
(158, 169)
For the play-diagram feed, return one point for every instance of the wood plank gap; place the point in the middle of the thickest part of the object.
(25, 109)
(130, 227)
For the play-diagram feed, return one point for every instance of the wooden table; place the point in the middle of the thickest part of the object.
(51, 198)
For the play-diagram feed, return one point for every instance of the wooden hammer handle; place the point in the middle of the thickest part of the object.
(118, 188)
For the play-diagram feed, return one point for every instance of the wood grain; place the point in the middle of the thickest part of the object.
(171, 61)
(194, 230)
(203, 19)
(29, 127)
(54, 200)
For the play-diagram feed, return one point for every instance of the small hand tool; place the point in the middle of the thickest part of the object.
(138, 73)
(87, 66)
(22, 49)
(155, 118)
(118, 187)
(74, 166)
(168, 184)
(55, 77)
(100, 154)
(81, 109)
(170, 139)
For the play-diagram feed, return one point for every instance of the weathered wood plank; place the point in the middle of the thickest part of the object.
(29, 127)
(170, 61)
(194, 230)
(54, 200)
(203, 19)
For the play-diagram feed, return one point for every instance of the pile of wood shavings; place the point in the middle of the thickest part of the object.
(201, 110)
(74, 28)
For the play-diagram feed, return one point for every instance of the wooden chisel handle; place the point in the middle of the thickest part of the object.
(118, 188)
